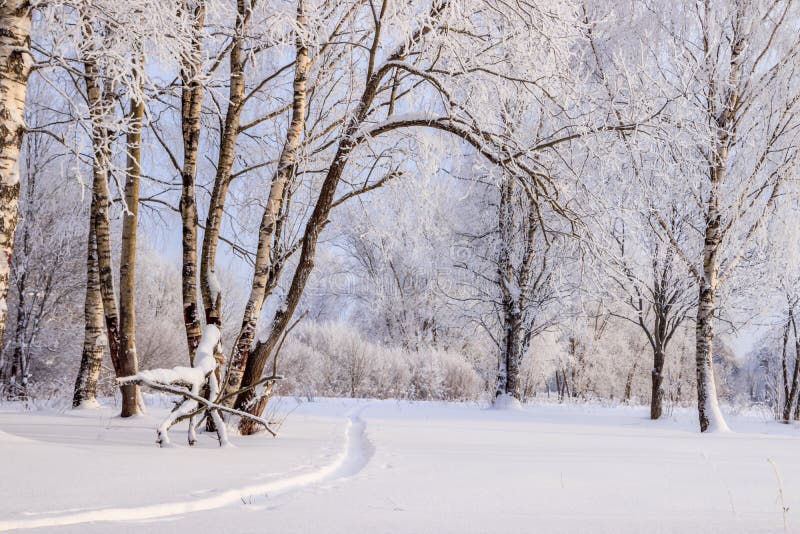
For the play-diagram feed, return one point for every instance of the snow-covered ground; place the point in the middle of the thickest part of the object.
(391, 466)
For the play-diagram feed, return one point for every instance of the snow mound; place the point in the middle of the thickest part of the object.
(506, 402)
(88, 404)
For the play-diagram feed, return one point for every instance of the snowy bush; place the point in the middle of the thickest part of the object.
(333, 360)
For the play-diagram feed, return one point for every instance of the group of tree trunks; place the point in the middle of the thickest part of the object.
(109, 311)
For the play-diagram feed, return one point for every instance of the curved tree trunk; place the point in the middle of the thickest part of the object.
(15, 64)
(254, 366)
(266, 254)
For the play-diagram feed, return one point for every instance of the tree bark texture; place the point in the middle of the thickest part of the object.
(209, 290)
(15, 64)
(101, 100)
(191, 106)
(127, 264)
(85, 391)
(508, 370)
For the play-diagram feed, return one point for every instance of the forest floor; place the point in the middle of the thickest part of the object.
(342, 465)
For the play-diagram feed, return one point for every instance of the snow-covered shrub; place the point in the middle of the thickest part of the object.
(332, 359)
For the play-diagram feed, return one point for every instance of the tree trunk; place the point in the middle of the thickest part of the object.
(266, 255)
(721, 121)
(791, 399)
(18, 376)
(127, 264)
(85, 392)
(316, 222)
(191, 106)
(209, 287)
(657, 392)
(15, 64)
(18, 373)
(796, 414)
(629, 382)
(508, 374)
(784, 369)
(101, 105)
(508, 371)
(708, 409)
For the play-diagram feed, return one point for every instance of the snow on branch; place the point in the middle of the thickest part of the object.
(188, 382)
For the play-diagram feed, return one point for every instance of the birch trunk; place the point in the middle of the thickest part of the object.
(265, 253)
(209, 288)
(15, 64)
(85, 392)
(707, 404)
(316, 222)
(100, 105)
(254, 366)
(708, 410)
(191, 106)
(127, 265)
(722, 121)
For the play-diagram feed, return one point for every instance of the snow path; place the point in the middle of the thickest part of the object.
(355, 455)
(426, 468)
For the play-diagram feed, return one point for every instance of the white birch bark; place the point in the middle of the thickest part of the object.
(269, 219)
(15, 64)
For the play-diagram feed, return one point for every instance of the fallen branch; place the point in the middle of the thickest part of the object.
(209, 405)
(198, 411)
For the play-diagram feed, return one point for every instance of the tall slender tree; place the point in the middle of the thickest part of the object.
(191, 107)
(739, 61)
(15, 66)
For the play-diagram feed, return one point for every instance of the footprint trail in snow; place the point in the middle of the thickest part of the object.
(355, 455)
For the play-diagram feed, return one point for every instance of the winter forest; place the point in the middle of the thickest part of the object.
(223, 221)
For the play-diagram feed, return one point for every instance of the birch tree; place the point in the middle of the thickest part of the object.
(736, 62)
(419, 59)
(265, 256)
(103, 49)
(15, 65)
(130, 219)
(191, 107)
